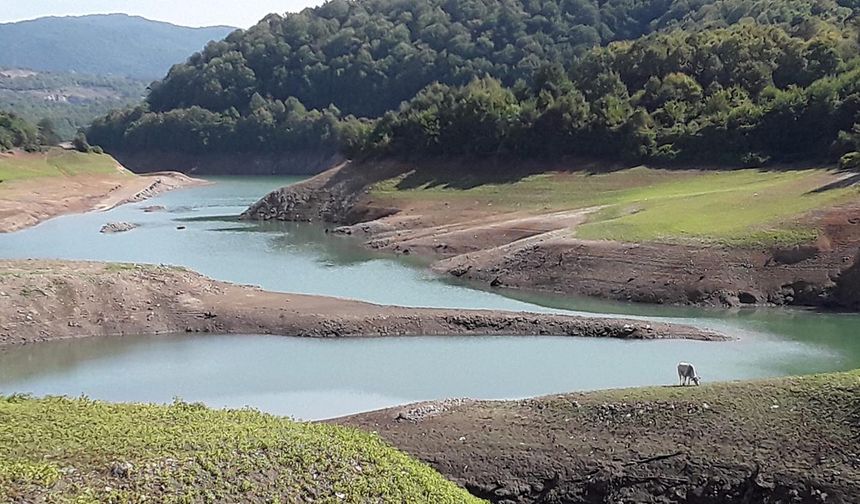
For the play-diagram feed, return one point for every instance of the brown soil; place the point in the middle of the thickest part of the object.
(793, 440)
(28, 202)
(533, 250)
(46, 300)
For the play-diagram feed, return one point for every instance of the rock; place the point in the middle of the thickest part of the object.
(117, 227)
(121, 469)
(153, 208)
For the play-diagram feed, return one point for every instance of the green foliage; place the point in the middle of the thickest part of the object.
(65, 450)
(80, 142)
(850, 161)
(366, 57)
(736, 95)
(16, 132)
(727, 81)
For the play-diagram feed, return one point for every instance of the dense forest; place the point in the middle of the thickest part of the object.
(734, 81)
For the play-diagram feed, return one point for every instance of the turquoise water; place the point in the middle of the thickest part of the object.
(318, 379)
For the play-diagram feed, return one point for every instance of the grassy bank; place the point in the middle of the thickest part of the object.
(65, 450)
(744, 207)
(54, 163)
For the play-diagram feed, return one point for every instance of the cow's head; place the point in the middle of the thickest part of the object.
(696, 380)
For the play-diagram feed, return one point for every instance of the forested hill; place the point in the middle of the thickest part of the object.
(114, 44)
(746, 80)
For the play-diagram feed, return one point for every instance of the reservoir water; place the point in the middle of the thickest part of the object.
(314, 379)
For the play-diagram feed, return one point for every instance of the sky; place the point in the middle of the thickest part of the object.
(239, 13)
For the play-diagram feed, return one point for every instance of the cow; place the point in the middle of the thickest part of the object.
(687, 373)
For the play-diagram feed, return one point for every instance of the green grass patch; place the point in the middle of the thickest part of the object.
(739, 207)
(68, 450)
(54, 163)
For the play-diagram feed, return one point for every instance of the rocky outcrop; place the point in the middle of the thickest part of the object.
(332, 196)
(117, 227)
(846, 294)
(659, 273)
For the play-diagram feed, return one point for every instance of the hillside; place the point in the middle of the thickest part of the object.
(724, 81)
(70, 100)
(114, 44)
(76, 450)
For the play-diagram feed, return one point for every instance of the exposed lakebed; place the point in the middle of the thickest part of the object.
(323, 378)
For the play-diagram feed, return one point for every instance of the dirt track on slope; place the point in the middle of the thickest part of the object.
(46, 300)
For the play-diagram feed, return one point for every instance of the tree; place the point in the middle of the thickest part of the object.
(47, 133)
(80, 142)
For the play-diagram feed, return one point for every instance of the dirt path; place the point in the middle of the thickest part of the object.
(792, 441)
(25, 203)
(45, 300)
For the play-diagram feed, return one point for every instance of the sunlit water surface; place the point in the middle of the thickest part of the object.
(314, 379)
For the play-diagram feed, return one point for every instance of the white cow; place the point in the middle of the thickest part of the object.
(687, 373)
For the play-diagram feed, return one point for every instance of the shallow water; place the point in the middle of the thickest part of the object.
(323, 378)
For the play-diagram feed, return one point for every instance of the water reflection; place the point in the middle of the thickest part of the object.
(315, 379)
(324, 378)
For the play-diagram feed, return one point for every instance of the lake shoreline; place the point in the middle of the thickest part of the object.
(538, 249)
(46, 300)
(750, 441)
(29, 201)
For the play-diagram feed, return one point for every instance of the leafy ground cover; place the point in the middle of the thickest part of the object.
(78, 450)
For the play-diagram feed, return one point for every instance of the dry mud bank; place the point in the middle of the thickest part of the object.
(45, 300)
(538, 248)
(789, 441)
(41, 186)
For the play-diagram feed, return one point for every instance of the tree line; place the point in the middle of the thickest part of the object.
(734, 81)
(18, 133)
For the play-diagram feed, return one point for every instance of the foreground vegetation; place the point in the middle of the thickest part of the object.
(728, 81)
(739, 207)
(77, 450)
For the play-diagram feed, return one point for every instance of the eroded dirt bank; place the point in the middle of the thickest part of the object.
(45, 300)
(534, 249)
(28, 202)
(788, 441)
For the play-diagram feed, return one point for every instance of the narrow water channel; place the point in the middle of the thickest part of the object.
(318, 379)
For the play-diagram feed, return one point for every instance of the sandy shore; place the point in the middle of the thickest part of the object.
(25, 203)
(47, 300)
